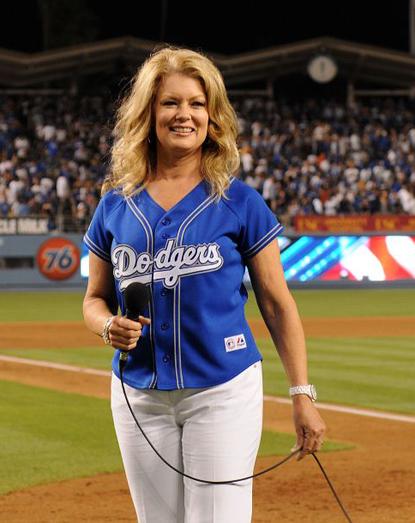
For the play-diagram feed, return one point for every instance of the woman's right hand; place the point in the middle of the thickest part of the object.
(124, 333)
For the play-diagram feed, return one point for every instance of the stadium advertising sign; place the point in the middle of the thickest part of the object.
(58, 258)
(354, 223)
(358, 257)
(24, 226)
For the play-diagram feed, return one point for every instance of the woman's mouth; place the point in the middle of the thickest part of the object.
(182, 130)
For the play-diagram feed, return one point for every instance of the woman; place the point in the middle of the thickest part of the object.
(173, 217)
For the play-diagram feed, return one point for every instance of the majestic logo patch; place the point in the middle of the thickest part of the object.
(168, 265)
(235, 343)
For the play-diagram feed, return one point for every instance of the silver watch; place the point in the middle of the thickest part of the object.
(309, 390)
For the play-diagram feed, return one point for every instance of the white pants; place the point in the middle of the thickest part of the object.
(210, 433)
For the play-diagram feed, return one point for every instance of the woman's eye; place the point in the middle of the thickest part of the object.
(173, 102)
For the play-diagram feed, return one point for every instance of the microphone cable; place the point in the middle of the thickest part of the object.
(122, 362)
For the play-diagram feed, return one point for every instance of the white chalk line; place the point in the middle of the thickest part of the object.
(274, 399)
(58, 366)
(350, 410)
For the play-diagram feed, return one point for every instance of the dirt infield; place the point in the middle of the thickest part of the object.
(75, 334)
(376, 480)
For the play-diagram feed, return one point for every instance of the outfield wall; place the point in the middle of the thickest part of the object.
(45, 261)
(41, 261)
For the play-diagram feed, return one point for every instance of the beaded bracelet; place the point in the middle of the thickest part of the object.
(106, 332)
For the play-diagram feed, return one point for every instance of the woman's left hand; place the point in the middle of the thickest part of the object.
(309, 426)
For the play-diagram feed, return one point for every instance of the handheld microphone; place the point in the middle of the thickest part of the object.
(136, 298)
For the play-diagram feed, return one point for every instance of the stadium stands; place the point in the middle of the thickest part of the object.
(312, 157)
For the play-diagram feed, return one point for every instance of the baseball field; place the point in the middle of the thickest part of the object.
(59, 457)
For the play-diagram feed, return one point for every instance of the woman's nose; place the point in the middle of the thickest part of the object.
(183, 114)
(182, 117)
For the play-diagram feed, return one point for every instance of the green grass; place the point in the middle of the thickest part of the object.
(49, 436)
(281, 443)
(67, 306)
(40, 306)
(366, 372)
(351, 302)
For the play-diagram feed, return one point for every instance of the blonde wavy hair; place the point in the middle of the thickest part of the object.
(133, 154)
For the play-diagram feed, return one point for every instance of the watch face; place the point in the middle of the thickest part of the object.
(313, 392)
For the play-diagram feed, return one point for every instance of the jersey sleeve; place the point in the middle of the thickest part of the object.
(259, 227)
(97, 238)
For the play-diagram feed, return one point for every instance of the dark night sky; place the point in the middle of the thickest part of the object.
(247, 26)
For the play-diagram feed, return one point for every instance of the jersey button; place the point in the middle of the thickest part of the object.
(166, 221)
(166, 359)
(164, 326)
(164, 236)
(163, 292)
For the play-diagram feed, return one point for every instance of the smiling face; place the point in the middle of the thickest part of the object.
(180, 114)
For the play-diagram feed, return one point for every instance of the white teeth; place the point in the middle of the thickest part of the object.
(182, 129)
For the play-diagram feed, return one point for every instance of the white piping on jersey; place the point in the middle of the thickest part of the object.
(150, 248)
(258, 245)
(177, 289)
(95, 248)
(143, 220)
(177, 340)
(193, 214)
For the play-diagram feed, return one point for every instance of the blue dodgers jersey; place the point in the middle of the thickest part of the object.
(193, 259)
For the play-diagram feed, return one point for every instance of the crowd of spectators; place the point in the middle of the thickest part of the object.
(54, 155)
(311, 157)
(325, 158)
